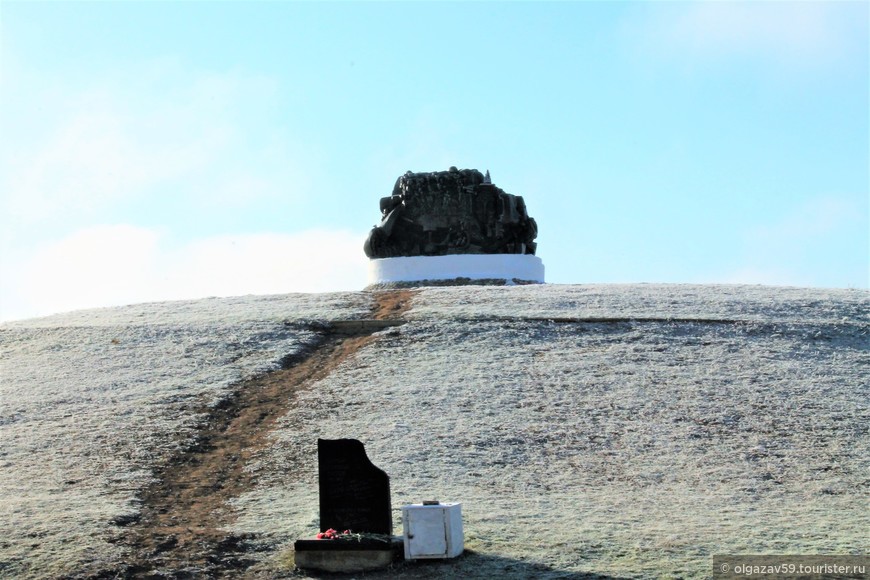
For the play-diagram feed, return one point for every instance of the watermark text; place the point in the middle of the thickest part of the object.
(790, 566)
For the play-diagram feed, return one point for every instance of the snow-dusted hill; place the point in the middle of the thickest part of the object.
(629, 431)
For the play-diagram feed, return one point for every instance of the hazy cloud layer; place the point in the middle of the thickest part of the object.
(654, 142)
(203, 138)
(124, 264)
(798, 35)
(188, 161)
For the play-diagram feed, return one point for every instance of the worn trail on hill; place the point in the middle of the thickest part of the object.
(179, 531)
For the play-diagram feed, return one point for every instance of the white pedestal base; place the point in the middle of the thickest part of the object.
(509, 267)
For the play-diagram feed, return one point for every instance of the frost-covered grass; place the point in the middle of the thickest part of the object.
(628, 448)
(234, 310)
(761, 303)
(634, 448)
(91, 400)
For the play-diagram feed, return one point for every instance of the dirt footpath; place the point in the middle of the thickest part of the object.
(180, 530)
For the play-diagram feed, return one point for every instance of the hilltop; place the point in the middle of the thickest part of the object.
(588, 430)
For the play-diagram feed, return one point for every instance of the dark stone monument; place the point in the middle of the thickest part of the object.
(354, 494)
(451, 212)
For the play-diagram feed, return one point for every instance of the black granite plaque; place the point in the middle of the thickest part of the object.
(354, 494)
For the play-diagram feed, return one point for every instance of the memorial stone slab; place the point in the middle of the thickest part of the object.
(354, 493)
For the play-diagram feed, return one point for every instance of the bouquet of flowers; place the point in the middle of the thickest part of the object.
(331, 534)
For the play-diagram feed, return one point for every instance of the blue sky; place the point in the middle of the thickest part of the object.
(163, 150)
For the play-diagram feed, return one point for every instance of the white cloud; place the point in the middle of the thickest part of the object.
(792, 33)
(308, 261)
(94, 160)
(153, 144)
(123, 264)
(96, 266)
(162, 134)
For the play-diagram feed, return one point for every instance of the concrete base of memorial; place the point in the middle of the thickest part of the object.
(507, 268)
(347, 555)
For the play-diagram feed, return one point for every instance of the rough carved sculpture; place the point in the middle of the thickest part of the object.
(450, 212)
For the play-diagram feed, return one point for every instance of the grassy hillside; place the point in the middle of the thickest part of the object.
(623, 431)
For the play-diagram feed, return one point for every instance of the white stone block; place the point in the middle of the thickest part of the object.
(433, 531)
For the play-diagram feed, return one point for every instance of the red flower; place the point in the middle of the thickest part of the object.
(331, 534)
